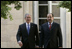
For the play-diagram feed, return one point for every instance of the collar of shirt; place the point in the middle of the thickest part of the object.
(49, 23)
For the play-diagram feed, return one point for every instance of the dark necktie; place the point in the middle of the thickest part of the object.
(50, 26)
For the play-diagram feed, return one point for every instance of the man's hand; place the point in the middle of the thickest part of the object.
(40, 47)
(20, 43)
(60, 47)
(36, 46)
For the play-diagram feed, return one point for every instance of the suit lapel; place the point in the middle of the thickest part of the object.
(30, 28)
(47, 26)
(53, 25)
(25, 28)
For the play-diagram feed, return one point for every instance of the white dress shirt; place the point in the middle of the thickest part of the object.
(49, 24)
(27, 25)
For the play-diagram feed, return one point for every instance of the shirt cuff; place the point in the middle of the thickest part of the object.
(19, 41)
(37, 46)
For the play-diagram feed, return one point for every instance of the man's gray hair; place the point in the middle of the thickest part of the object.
(26, 14)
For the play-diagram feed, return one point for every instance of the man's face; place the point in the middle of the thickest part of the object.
(28, 18)
(50, 18)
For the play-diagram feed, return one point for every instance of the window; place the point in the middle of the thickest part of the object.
(43, 11)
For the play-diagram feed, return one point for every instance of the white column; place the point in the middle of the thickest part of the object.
(36, 12)
(49, 6)
(63, 25)
(68, 30)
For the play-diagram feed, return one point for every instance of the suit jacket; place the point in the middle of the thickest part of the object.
(22, 35)
(53, 36)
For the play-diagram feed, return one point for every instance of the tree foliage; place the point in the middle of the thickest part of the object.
(5, 9)
(65, 4)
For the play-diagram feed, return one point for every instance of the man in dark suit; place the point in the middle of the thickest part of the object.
(27, 35)
(51, 35)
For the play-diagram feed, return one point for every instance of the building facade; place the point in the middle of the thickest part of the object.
(38, 11)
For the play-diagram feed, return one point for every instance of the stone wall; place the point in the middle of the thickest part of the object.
(9, 28)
